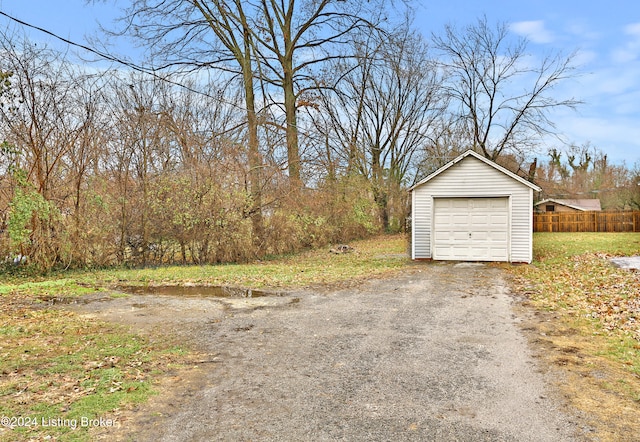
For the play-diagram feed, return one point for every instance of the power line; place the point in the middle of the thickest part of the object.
(135, 67)
(152, 72)
(115, 59)
(72, 43)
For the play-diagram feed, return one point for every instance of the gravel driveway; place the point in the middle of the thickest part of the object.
(434, 355)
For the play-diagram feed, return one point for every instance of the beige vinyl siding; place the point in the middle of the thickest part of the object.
(470, 178)
(421, 223)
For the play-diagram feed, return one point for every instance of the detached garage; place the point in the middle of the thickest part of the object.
(472, 209)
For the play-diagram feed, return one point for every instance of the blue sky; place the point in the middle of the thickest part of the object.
(605, 34)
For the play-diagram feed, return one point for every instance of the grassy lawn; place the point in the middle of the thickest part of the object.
(588, 322)
(572, 275)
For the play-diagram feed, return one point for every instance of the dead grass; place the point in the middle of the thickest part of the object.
(586, 325)
(55, 364)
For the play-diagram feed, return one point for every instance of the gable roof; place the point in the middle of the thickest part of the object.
(583, 205)
(476, 155)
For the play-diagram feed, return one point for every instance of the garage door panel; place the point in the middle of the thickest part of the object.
(460, 220)
(480, 203)
(481, 236)
(498, 219)
(501, 237)
(499, 203)
(471, 229)
(459, 203)
(481, 221)
(497, 255)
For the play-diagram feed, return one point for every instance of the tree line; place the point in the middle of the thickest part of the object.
(263, 128)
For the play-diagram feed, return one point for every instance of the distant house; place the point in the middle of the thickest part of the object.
(568, 205)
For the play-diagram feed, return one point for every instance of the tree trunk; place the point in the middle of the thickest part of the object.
(293, 154)
(255, 161)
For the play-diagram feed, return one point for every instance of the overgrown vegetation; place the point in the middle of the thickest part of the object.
(592, 326)
(57, 364)
(241, 146)
(374, 257)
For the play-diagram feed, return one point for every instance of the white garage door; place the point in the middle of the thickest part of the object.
(471, 229)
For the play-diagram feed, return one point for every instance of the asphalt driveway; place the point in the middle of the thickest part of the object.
(434, 355)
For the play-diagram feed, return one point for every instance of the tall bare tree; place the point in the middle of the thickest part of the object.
(281, 43)
(502, 101)
(295, 38)
(383, 111)
(199, 34)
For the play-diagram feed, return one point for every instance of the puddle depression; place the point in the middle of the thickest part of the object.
(198, 291)
(220, 292)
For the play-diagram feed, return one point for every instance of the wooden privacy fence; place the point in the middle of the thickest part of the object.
(587, 222)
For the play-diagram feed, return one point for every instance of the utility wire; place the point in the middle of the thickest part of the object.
(73, 43)
(113, 58)
(149, 71)
(135, 67)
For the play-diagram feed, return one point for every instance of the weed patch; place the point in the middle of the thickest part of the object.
(371, 258)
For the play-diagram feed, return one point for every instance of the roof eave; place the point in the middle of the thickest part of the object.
(484, 160)
(571, 206)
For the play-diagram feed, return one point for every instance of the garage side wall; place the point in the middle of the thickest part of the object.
(473, 178)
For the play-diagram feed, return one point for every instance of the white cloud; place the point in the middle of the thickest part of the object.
(631, 50)
(584, 57)
(623, 55)
(633, 29)
(534, 30)
(581, 30)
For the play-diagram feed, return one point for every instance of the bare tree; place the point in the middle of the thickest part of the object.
(294, 39)
(204, 34)
(383, 112)
(47, 126)
(502, 101)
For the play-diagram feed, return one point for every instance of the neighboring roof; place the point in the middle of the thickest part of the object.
(484, 160)
(583, 205)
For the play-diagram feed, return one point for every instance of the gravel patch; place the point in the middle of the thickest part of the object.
(435, 355)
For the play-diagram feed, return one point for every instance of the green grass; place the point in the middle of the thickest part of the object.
(373, 257)
(61, 286)
(572, 274)
(55, 364)
(552, 248)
